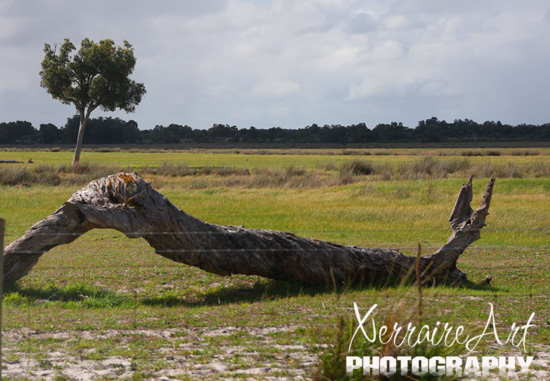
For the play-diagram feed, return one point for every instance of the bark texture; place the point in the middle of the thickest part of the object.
(84, 117)
(127, 203)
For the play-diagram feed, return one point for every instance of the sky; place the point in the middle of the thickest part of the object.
(290, 64)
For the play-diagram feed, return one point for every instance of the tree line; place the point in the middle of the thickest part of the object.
(117, 131)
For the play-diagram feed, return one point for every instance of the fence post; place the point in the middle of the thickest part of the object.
(2, 231)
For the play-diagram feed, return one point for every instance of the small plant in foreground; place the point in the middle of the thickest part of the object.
(332, 362)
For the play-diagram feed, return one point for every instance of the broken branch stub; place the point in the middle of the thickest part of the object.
(127, 203)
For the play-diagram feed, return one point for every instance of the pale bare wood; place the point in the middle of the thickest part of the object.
(127, 203)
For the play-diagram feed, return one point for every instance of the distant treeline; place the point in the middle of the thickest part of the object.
(117, 131)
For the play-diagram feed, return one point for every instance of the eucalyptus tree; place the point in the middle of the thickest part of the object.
(97, 75)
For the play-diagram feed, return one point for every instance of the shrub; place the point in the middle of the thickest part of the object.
(48, 178)
(357, 168)
(417, 170)
(293, 170)
(19, 175)
(524, 152)
(471, 153)
(230, 171)
(174, 170)
(453, 165)
(15, 175)
(539, 169)
(328, 166)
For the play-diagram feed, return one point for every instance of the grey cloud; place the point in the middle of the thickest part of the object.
(360, 23)
(290, 63)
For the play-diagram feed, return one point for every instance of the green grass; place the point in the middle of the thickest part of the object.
(105, 297)
(264, 158)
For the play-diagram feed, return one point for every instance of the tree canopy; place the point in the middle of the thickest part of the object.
(117, 131)
(97, 75)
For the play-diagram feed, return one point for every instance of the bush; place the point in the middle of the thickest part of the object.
(16, 175)
(471, 153)
(357, 168)
(230, 171)
(174, 170)
(524, 152)
(20, 175)
(419, 169)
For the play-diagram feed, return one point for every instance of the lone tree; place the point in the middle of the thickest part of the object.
(96, 76)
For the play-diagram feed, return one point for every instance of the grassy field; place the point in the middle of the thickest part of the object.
(107, 307)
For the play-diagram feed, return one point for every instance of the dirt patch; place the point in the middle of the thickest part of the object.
(185, 354)
(194, 359)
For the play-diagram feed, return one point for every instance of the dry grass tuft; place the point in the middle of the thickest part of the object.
(357, 168)
(292, 176)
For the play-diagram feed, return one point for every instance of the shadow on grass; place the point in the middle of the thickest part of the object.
(264, 290)
(81, 295)
(260, 291)
(272, 290)
(71, 295)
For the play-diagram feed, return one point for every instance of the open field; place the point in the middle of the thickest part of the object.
(107, 307)
(258, 158)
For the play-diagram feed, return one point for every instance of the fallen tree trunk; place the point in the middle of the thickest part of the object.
(127, 203)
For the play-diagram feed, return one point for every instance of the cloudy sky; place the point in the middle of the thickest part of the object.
(291, 63)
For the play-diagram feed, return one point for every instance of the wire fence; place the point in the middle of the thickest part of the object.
(300, 231)
(543, 250)
(408, 246)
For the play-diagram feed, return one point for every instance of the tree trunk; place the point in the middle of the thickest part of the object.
(80, 138)
(127, 203)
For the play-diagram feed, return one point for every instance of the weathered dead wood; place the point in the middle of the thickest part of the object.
(127, 203)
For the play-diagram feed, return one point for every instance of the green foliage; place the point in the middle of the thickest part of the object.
(95, 76)
(21, 132)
